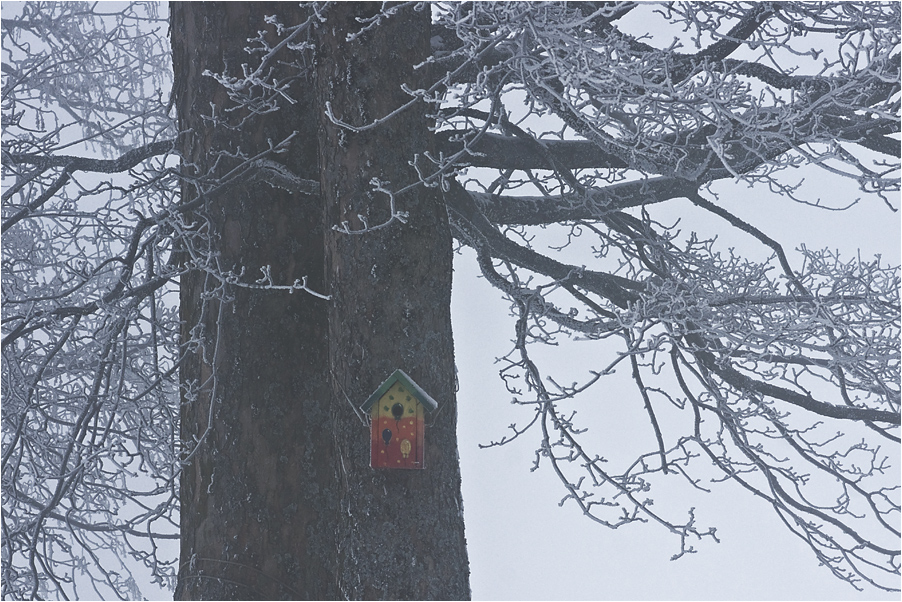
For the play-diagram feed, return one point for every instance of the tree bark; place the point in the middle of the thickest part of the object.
(257, 495)
(278, 500)
(401, 532)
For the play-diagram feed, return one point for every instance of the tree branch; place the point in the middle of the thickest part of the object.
(475, 230)
(595, 203)
(72, 164)
(744, 383)
(508, 152)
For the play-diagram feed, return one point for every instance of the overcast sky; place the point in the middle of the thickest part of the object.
(522, 545)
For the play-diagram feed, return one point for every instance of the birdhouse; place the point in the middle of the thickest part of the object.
(398, 411)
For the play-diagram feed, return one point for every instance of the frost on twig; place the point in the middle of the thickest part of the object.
(265, 283)
(395, 215)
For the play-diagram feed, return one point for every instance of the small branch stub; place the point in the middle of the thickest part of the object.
(397, 427)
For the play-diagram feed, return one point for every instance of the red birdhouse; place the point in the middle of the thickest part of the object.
(398, 422)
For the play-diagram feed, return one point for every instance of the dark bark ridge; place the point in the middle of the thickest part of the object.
(258, 482)
(401, 532)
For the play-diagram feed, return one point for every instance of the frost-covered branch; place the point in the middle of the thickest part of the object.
(787, 363)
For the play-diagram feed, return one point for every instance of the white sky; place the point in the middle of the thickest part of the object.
(522, 545)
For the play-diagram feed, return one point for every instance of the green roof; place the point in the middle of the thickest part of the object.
(399, 376)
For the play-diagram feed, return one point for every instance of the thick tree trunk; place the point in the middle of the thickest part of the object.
(257, 495)
(277, 498)
(401, 532)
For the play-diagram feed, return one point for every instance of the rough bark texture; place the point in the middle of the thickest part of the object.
(279, 500)
(258, 495)
(401, 531)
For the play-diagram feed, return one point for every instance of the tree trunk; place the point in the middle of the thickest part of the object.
(278, 500)
(257, 496)
(401, 532)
